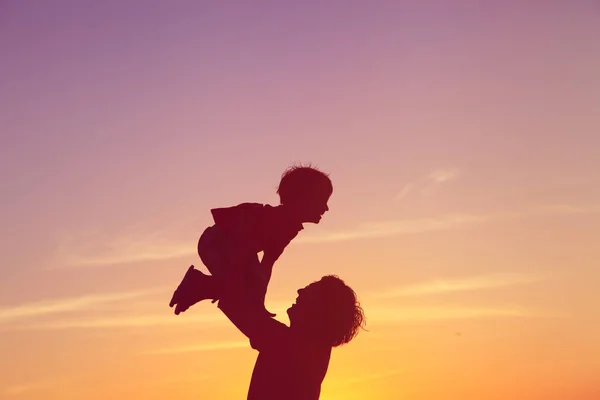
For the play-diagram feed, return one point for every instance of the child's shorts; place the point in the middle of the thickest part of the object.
(218, 250)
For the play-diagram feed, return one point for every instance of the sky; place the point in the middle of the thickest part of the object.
(461, 137)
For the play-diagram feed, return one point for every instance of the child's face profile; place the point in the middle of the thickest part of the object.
(313, 207)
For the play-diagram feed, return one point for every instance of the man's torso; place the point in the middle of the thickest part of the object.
(287, 367)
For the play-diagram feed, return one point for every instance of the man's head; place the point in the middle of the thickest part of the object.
(327, 310)
(305, 190)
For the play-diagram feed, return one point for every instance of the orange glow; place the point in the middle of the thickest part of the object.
(463, 148)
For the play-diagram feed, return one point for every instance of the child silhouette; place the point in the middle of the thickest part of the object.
(242, 231)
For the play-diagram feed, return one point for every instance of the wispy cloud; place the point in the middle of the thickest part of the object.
(406, 189)
(383, 314)
(442, 223)
(470, 283)
(567, 209)
(373, 376)
(429, 184)
(160, 382)
(129, 321)
(201, 347)
(130, 244)
(9, 314)
(91, 251)
(403, 227)
(443, 175)
(23, 388)
(16, 390)
(151, 248)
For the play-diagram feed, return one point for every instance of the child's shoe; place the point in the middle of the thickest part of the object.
(190, 290)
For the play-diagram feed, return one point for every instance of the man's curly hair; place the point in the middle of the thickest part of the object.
(339, 314)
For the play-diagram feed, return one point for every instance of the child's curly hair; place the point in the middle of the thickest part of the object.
(298, 181)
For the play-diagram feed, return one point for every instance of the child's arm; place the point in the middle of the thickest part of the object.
(270, 256)
(273, 249)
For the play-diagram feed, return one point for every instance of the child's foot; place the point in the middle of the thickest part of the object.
(190, 291)
(182, 287)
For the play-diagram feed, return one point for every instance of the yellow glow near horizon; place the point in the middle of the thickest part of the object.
(462, 143)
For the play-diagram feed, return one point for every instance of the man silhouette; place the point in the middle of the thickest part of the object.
(292, 361)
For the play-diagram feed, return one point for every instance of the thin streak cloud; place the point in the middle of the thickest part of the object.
(373, 376)
(9, 314)
(133, 321)
(155, 252)
(124, 252)
(443, 175)
(406, 189)
(440, 286)
(200, 348)
(382, 314)
(442, 223)
(404, 227)
(152, 249)
(428, 184)
(20, 389)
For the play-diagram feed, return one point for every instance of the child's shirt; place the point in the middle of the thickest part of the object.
(262, 227)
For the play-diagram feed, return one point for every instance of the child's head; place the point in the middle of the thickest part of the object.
(306, 190)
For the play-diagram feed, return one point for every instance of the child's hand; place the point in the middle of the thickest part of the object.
(269, 313)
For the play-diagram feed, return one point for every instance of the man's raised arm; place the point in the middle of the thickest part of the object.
(234, 304)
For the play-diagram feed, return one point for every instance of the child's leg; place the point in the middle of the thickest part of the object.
(220, 259)
(192, 288)
(213, 249)
(204, 287)
(217, 251)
